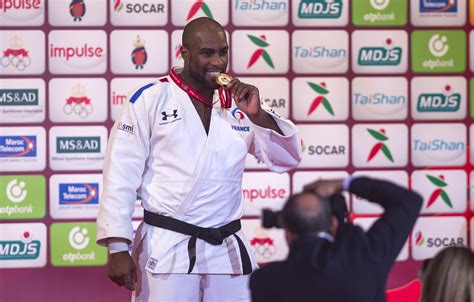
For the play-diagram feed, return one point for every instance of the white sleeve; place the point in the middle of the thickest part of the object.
(127, 152)
(279, 152)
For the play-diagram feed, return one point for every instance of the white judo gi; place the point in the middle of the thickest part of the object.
(160, 149)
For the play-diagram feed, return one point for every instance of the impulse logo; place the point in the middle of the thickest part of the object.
(23, 249)
(438, 6)
(382, 56)
(320, 99)
(381, 137)
(199, 5)
(76, 144)
(15, 56)
(320, 9)
(77, 9)
(264, 193)
(439, 102)
(261, 52)
(84, 51)
(139, 54)
(18, 97)
(18, 146)
(19, 4)
(440, 183)
(76, 193)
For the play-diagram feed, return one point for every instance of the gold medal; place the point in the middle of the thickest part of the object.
(223, 79)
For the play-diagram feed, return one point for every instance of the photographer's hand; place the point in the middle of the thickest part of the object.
(325, 188)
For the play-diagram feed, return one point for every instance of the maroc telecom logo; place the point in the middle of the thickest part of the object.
(419, 239)
(77, 9)
(199, 5)
(320, 99)
(262, 43)
(440, 183)
(17, 146)
(387, 55)
(443, 6)
(78, 193)
(15, 56)
(381, 137)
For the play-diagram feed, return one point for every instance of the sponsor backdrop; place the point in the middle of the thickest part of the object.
(378, 87)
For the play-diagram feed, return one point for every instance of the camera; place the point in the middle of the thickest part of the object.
(337, 203)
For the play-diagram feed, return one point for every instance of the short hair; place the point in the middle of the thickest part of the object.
(449, 276)
(302, 220)
(197, 25)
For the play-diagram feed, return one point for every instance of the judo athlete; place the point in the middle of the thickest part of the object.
(181, 143)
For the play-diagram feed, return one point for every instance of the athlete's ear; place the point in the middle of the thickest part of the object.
(185, 54)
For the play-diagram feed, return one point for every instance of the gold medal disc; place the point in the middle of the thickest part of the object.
(223, 79)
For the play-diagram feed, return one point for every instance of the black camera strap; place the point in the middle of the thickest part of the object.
(214, 236)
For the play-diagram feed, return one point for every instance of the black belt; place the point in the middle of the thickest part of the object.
(214, 236)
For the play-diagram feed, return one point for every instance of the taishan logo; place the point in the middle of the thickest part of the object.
(139, 54)
(438, 6)
(386, 56)
(320, 99)
(23, 249)
(440, 183)
(199, 5)
(261, 52)
(78, 103)
(138, 7)
(15, 56)
(419, 239)
(439, 102)
(381, 137)
(259, 5)
(77, 9)
(18, 146)
(19, 4)
(320, 9)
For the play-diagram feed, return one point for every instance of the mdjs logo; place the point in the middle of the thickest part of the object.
(324, 9)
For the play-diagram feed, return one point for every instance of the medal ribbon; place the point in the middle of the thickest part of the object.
(224, 94)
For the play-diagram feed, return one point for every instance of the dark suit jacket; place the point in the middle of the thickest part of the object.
(355, 266)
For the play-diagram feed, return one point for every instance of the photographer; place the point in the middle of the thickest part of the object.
(330, 259)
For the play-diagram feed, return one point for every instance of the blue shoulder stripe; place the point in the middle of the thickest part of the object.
(139, 92)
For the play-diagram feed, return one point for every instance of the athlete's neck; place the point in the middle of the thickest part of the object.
(202, 90)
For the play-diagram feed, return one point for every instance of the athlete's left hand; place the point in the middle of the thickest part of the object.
(246, 97)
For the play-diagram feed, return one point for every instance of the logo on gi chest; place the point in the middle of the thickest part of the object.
(169, 116)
